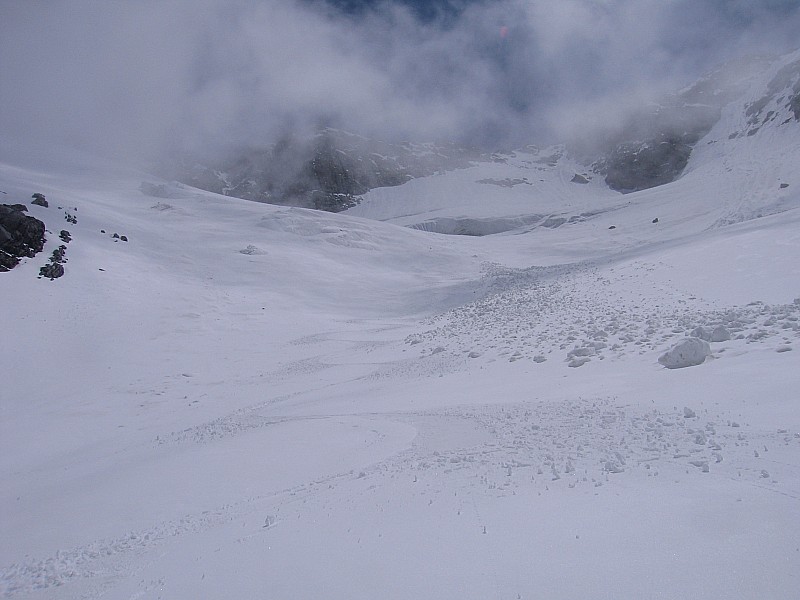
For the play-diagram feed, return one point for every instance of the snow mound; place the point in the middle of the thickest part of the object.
(313, 224)
(718, 334)
(686, 353)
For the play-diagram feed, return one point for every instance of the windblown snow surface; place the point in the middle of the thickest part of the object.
(247, 401)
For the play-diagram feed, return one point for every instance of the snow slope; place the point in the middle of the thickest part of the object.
(246, 401)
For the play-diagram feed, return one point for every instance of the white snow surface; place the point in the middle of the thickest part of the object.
(248, 401)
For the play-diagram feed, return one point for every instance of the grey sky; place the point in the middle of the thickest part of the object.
(135, 78)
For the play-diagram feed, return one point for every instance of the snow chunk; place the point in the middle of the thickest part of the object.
(720, 334)
(686, 353)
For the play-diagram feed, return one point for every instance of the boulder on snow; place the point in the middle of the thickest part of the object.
(39, 200)
(687, 353)
(20, 235)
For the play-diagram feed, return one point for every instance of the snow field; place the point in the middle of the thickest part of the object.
(248, 401)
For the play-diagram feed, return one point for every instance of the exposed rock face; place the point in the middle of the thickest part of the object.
(652, 147)
(782, 96)
(638, 166)
(795, 106)
(328, 172)
(20, 235)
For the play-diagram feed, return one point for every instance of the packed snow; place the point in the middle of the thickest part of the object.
(249, 401)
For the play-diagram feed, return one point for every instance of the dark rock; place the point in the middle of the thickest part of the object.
(65, 236)
(39, 200)
(123, 238)
(55, 269)
(579, 179)
(20, 235)
(115, 236)
(639, 166)
(655, 220)
(784, 186)
(51, 271)
(58, 254)
(613, 227)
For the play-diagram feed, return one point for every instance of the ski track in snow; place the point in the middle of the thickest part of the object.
(567, 313)
(533, 448)
(507, 456)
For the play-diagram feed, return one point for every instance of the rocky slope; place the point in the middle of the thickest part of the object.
(652, 147)
(328, 172)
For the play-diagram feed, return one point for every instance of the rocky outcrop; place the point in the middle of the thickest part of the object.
(637, 166)
(39, 200)
(20, 235)
(328, 172)
(782, 97)
(652, 147)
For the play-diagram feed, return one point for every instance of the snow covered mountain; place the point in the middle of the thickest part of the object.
(243, 400)
(334, 169)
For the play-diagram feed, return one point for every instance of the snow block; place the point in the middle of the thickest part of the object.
(686, 353)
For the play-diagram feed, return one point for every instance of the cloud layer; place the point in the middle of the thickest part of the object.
(134, 79)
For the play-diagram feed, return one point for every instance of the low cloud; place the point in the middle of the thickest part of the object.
(137, 79)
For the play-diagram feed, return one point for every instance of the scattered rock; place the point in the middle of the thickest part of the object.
(65, 236)
(686, 353)
(613, 227)
(784, 186)
(51, 271)
(655, 220)
(54, 269)
(579, 179)
(39, 200)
